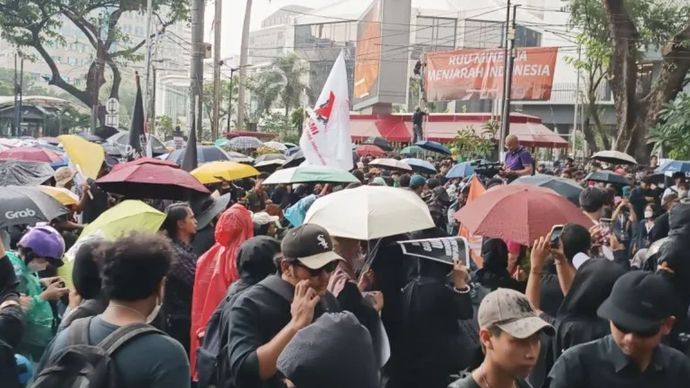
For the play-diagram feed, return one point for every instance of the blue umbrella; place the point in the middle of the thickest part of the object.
(674, 166)
(204, 154)
(461, 170)
(420, 166)
(433, 146)
(64, 161)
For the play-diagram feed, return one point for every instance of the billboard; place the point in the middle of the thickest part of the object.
(478, 74)
(383, 38)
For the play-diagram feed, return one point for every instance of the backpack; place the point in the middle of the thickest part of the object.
(83, 365)
(9, 372)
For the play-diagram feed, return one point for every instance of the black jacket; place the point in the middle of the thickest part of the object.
(255, 318)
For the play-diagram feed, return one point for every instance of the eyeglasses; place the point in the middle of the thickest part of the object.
(328, 268)
(641, 334)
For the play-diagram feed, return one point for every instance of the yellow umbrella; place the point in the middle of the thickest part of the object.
(61, 194)
(86, 156)
(216, 172)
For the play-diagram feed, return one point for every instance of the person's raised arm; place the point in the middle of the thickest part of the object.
(537, 258)
(565, 270)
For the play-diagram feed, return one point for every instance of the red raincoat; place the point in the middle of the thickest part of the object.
(216, 270)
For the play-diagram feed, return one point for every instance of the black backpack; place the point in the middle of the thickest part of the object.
(83, 365)
(9, 372)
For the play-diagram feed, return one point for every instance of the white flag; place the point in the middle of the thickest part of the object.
(326, 137)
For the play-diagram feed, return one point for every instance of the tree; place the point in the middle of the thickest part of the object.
(470, 145)
(670, 136)
(225, 95)
(634, 27)
(34, 26)
(164, 126)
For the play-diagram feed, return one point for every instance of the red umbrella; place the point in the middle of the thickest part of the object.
(34, 154)
(151, 178)
(371, 150)
(519, 213)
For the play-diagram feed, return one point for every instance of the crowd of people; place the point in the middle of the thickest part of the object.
(236, 290)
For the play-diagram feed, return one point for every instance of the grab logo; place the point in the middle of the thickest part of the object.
(11, 215)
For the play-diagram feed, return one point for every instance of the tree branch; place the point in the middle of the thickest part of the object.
(85, 27)
(133, 49)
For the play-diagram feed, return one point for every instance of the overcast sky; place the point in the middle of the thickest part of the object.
(233, 17)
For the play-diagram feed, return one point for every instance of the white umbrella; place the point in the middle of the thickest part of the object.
(370, 212)
(390, 164)
(276, 146)
(614, 157)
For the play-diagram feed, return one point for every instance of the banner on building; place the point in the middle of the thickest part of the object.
(478, 74)
(443, 250)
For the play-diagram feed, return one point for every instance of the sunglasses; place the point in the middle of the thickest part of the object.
(641, 334)
(328, 268)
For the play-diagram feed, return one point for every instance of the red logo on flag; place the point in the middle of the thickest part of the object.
(323, 112)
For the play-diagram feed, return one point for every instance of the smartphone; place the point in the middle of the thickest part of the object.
(605, 224)
(555, 236)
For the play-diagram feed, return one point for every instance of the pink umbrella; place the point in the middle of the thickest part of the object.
(152, 178)
(519, 213)
(34, 154)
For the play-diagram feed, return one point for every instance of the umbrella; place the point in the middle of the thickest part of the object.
(370, 212)
(60, 194)
(607, 177)
(269, 165)
(88, 156)
(614, 157)
(33, 154)
(86, 135)
(25, 205)
(23, 173)
(433, 147)
(370, 150)
(391, 164)
(48, 140)
(519, 213)
(222, 142)
(239, 157)
(674, 166)
(290, 145)
(126, 217)
(292, 151)
(64, 161)
(568, 188)
(411, 150)
(295, 160)
(151, 178)
(460, 170)
(244, 143)
(204, 154)
(267, 157)
(276, 146)
(420, 166)
(306, 174)
(216, 172)
(121, 141)
(379, 142)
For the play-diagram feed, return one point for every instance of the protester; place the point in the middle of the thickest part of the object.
(258, 197)
(417, 123)
(417, 184)
(265, 318)
(644, 228)
(679, 185)
(206, 212)
(180, 226)
(494, 272)
(97, 200)
(87, 299)
(640, 311)
(39, 247)
(11, 321)
(335, 351)
(265, 224)
(216, 270)
(134, 276)
(518, 160)
(509, 334)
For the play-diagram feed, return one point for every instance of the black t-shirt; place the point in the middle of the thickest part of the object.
(96, 206)
(467, 381)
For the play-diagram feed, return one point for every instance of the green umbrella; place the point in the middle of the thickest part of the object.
(222, 142)
(411, 150)
(306, 174)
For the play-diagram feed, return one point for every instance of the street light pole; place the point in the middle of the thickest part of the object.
(232, 74)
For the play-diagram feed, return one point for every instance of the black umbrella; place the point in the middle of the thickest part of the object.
(90, 137)
(22, 172)
(379, 142)
(607, 177)
(26, 205)
(567, 188)
(295, 160)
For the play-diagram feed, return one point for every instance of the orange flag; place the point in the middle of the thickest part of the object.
(476, 190)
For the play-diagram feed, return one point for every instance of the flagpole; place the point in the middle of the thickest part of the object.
(149, 12)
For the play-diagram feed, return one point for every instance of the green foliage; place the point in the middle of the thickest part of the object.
(275, 122)
(670, 136)
(225, 95)
(470, 145)
(297, 119)
(164, 126)
(281, 85)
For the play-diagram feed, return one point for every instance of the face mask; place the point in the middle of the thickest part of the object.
(648, 214)
(154, 313)
(36, 267)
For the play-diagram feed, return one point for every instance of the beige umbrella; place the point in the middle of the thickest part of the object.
(390, 164)
(614, 157)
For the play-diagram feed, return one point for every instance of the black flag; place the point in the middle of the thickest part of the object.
(136, 131)
(190, 162)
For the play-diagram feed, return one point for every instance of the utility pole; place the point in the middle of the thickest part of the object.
(243, 65)
(215, 120)
(96, 76)
(577, 100)
(147, 64)
(197, 67)
(509, 53)
(232, 74)
(18, 92)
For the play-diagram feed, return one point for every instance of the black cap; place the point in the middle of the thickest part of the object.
(310, 244)
(639, 301)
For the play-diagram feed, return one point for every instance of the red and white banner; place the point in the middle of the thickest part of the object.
(478, 74)
(326, 137)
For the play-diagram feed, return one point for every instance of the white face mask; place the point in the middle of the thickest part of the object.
(34, 266)
(154, 313)
(648, 214)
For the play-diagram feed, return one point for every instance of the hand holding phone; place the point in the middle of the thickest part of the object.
(554, 241)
